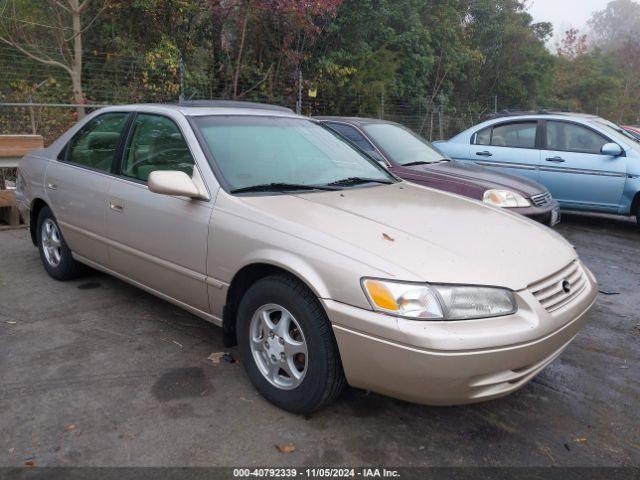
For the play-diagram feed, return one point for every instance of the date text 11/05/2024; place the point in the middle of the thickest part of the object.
(315, 473)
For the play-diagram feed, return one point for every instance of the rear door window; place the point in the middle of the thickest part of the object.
(569, 137)
(95, 145)
(515, 135)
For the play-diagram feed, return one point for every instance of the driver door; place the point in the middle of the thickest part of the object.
(576, 173)
(158, 241)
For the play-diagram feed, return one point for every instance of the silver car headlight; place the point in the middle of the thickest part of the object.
(505, 199)
(438, 302)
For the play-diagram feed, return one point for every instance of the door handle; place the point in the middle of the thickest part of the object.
(556, 159)
(485, 154)
(52, 186)
(116, 207)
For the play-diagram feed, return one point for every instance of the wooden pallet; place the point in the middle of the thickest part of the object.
(12, 148)
(9, 214)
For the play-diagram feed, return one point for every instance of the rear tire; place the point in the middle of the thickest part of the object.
(294, 381)
(54, 252)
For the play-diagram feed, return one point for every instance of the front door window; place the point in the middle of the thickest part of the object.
(155, 144)
(568, 137)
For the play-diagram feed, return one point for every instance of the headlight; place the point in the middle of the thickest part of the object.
(438, 302)
(505, 199)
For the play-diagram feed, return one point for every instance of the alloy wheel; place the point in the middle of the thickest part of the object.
(51, 242)
(278, 346)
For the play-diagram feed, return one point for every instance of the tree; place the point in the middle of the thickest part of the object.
(516, 64)
(59, 23)
(616, 25)
(614, 31)
(260, 41)
(572, 45)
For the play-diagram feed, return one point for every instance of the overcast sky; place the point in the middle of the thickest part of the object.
(564, 14)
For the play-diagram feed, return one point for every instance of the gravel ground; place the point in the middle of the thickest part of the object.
(95, 372)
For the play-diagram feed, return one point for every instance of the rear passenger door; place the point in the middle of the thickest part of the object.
(158, 241)
(575, 171)
(513, 147)
(77, 184)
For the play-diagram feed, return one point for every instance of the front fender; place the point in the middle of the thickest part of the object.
(291, 263)
(631, 190)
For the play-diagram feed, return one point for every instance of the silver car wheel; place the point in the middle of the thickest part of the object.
(51, 242)
(278, 346)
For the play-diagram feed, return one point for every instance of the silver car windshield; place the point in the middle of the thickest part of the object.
(402, 146)
(275, 151)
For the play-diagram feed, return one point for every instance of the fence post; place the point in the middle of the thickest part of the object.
(32, 116)
(181, 96)
(299, 101)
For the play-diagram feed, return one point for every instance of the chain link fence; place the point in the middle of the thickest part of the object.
(37, 99)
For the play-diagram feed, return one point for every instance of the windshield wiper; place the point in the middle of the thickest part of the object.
(422, 162)
(359, 180)
(277, 187)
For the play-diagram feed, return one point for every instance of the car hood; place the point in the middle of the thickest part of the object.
(406, 230)
(472, 174)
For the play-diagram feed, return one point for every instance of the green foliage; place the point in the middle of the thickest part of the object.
(436, 65)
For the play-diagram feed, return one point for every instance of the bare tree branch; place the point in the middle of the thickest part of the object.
(84, 5)
(86, 27)
(46, 61)
(61, 5)
(264, 79)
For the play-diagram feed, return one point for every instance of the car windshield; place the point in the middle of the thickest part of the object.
(402, 146)
(618, 133)
(282, 152)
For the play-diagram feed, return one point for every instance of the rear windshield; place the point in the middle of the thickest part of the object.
(256, 150)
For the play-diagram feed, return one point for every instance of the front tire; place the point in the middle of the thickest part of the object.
(54, 252)
(287, 345)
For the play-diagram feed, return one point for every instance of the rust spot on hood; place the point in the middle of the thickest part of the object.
(388, 238)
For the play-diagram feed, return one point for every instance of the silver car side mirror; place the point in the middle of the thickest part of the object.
(612, 149)
(172, 182)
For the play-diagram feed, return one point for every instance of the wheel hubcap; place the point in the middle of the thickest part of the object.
(51, 242)
(278, 346)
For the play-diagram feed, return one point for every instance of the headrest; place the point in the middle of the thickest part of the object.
(102, 140)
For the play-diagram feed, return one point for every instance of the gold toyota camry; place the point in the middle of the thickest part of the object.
(322, 266)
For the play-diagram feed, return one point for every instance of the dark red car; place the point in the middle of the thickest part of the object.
(414, 159)
(633, 130)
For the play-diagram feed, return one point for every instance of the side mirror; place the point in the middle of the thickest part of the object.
(172, 182)
(612, 149)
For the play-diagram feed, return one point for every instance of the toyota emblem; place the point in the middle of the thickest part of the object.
(566, 286)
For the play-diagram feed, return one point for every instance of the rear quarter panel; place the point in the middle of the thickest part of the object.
(31, 170)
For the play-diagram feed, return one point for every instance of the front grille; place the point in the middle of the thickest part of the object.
(552, 292)
(542, 199)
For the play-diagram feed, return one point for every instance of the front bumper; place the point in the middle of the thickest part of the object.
(548, 215)
(448, 363)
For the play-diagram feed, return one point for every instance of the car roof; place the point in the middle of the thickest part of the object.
(502, 118)
(199, 108)
(353, 120)
(531, 113)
